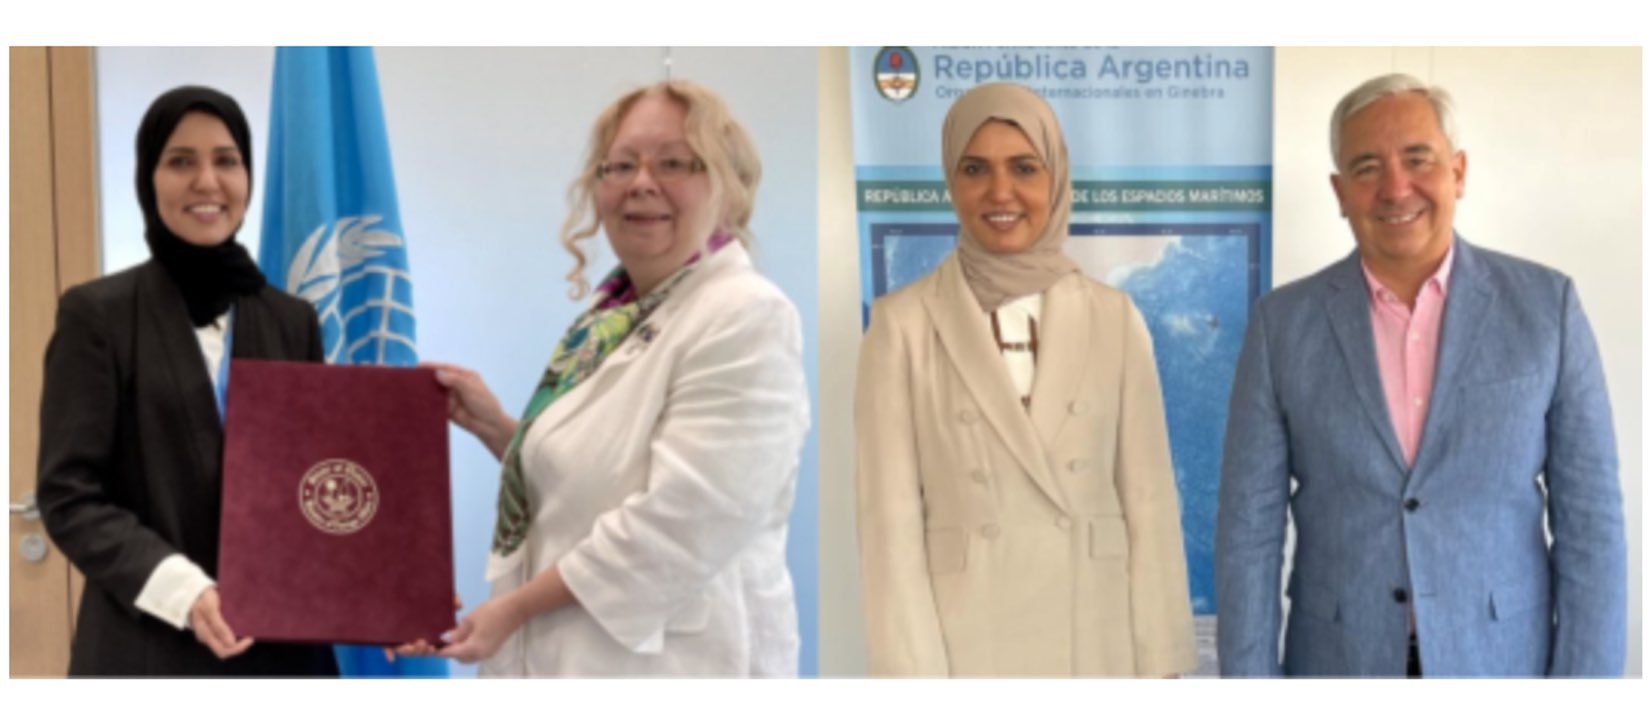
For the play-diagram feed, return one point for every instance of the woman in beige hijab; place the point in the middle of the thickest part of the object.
(1017, 505)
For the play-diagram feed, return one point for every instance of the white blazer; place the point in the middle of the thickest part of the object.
(662, 486)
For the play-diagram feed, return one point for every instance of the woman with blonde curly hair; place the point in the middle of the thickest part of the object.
(645, 491)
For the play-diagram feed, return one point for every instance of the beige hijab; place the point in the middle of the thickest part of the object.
(998, 278)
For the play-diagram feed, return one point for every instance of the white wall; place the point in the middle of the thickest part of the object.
(1553, 138)
(484, 142)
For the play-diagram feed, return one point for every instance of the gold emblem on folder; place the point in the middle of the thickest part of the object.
(338, 496)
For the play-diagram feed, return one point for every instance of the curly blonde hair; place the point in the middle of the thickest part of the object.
(720, 141)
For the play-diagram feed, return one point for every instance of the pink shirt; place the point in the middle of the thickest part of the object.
(1406, 350)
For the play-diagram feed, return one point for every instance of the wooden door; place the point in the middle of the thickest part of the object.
(53, 246)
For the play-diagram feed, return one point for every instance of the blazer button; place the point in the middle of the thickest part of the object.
(980, 476)
(1412, 504)
(1078, 465)
(990, 531)
(968, 417)
(1400, 596)
(1064, 522)
(1078, 407)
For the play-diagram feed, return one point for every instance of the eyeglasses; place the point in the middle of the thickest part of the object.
(663, 168)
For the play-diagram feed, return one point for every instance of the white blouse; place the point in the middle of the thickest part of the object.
(1015, 323)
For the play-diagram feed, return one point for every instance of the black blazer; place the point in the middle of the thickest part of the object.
(131, 457)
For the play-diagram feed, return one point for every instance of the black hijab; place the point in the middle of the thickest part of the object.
(209, 277)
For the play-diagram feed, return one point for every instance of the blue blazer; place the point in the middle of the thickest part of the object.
(1517, 438)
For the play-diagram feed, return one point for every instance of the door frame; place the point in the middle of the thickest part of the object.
(53, 246)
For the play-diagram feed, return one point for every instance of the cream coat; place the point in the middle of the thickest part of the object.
(662, 486)
(994, 541)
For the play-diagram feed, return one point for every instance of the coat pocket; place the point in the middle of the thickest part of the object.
(947, 550)
(691, 618)
(1502, 382)
(1108, 538)
(1513, 597)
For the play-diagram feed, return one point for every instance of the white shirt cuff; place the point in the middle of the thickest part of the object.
(172, 589)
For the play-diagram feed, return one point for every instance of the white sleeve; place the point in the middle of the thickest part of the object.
(903, 636)
(172, 588)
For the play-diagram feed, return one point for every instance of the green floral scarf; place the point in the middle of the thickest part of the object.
(615, 313)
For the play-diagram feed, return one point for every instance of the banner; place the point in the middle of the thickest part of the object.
(332, 234)
(1171, 167)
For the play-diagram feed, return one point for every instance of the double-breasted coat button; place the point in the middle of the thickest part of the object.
(990, 531)
(1078, 407)
(968, 416)
(1078, 465)
(1400, 596)
(1063, 522)
(980, 476)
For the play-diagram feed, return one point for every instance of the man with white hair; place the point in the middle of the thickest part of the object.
(1439, 408)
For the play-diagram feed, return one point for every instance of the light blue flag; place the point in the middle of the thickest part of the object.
(332, 234)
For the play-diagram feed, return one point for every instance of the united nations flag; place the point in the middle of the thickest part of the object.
(332, 228)
(332, 233)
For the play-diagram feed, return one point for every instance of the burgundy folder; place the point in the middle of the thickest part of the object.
(337, 522)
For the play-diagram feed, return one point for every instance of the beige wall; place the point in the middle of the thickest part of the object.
(841, 625)
(1553, 138)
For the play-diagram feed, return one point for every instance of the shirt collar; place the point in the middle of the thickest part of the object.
(1439, 278)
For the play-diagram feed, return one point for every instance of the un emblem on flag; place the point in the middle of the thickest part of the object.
(355, 273)
(338, 496)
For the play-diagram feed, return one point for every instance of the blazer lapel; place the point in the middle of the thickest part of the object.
(255, 332)
(1348, 307)
(964, 341)
(184, 368)
(652, 334)
(1063, 354)
(1470, 300)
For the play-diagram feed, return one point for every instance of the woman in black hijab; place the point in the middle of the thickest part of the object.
(131, 435)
